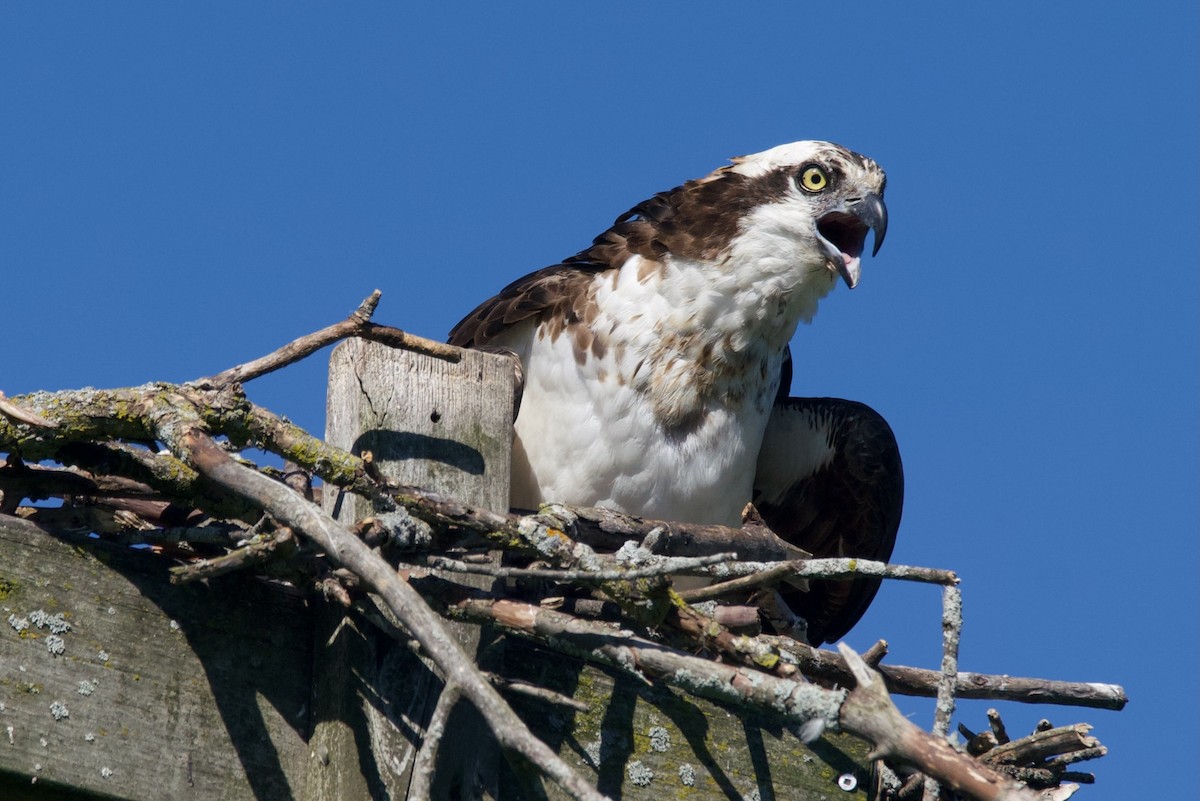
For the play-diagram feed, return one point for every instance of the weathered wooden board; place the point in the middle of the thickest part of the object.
(115, 683)
(642, 742)
(429, 422)
(442, 425)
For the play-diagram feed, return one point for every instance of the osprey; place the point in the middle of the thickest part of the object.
(656, 366)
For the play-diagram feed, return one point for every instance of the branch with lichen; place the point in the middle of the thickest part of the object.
(866, 711)
(156, 464)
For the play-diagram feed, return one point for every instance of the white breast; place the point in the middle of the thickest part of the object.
(591, 432)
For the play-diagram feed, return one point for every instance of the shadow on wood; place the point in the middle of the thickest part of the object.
(154, 691)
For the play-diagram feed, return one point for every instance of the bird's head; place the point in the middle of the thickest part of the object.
(817, 200)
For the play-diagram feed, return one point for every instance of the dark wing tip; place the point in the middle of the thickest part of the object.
(850, 507)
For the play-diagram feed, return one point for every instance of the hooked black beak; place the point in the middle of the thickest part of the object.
(844, 233)
(874, 215)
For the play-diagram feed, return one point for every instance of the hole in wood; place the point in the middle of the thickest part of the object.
(436, 417)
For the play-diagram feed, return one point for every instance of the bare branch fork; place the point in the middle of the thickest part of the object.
(358, 324)
(88, 429)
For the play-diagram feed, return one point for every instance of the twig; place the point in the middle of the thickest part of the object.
(921, 682)
(845, 567)
(162, 471)
(36, 483)
(518, 687)
(130, 527)
(944, 709)
(1082, 755)
(394, 337)
(280, 544)
(1042, 745)
(752, 581)
(738, 618)
(422, 774)
(870, 713)
(997, 725)
(22, 415)
(357, 324)
(1041, 759)
(711, 634)
(665, 566)
(875, 654)
(608, 530)
(762, 574)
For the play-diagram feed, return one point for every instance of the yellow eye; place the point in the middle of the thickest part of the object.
(813, 179)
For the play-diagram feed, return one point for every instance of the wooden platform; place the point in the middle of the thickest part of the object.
(137, 689)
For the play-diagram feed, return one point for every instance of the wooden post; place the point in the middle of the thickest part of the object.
(442, 425)
(115, 682)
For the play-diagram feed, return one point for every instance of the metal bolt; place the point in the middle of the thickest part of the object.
(848, 782)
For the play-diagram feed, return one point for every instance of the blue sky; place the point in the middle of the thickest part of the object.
(183, 188)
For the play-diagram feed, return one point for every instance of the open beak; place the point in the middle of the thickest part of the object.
(843, 232)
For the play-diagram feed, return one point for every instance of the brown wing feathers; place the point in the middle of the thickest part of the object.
(555, 290)
(695, 220)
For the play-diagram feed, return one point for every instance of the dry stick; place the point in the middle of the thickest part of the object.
(667, 566)
(997, 725)
(35, 481)
(608, 530)
(357, 324)
(394, 337)
(951, 634)
(1041, 758)
(742, 649)
(875, 654)
(518, 687)
(870, 713)
(128, 527)
(347, 551)
(944, 709)
(603, 529)
(19, 413)
(920, 682)
(422, 775)
(280, 544)
(1042, 745)
(765, 574)
(162, 471)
